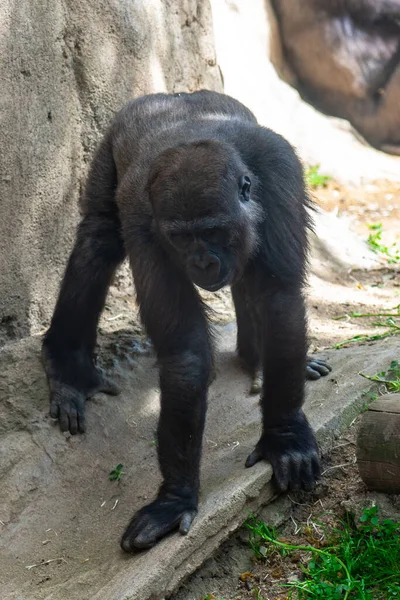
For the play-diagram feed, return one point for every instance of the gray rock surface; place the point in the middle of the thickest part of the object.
(66, 66)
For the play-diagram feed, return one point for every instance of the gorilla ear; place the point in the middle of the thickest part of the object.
(244, 188)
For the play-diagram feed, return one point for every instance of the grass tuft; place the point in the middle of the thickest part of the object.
(390, 323)
(357, 562)
(390, 378)
(374, 241)
(314, 178)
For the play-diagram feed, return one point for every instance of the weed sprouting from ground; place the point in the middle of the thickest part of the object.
(390, 378)
(357, 561)
(315, 179)
(374, 241)
(391, 323)
(116, 473)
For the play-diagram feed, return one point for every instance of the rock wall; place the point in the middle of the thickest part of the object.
(249, 54)
(66, 66)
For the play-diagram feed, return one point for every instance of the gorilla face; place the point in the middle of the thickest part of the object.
(203, 212)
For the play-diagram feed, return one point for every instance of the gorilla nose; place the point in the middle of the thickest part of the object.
(205, 262)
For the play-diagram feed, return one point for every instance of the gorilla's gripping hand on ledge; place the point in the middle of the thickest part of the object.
(291, 448)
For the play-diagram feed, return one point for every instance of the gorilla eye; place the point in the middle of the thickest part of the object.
(180, 240)
(213, 235)
(244, 184)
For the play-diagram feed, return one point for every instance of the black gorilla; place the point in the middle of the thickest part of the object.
(194, 191)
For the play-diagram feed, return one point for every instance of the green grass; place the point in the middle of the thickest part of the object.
(116, 473)
(357, 563)
(390, 323)
(374, 241)
(315, 179)
(390, 378)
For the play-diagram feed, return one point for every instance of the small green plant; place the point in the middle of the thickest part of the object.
(358, 563)
(389, 312)
(390, 378)
(315, 179)
(390, 323)
(374, 241)
(116, 473)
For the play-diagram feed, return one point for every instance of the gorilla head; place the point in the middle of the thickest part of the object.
(203, 200)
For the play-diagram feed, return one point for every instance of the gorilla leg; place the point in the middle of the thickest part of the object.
(174, 318)
(68, 345)
(249, 341)
(287, 441)
(248, 335)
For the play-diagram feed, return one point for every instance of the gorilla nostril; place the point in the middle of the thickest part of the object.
(205, 262)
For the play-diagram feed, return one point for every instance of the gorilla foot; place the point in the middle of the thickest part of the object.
(292, 450)
(317, 368)
(152, 522)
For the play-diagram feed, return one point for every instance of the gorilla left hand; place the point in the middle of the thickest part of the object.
(291, 448)
(152, 522)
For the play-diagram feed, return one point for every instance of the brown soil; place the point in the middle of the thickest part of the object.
(365, 205)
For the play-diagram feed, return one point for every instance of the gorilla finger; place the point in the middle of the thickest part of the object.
(294, 468)
(73, 421)
(81, 420)
(316, 466)
(323, 363)
(186, 521)
(54, 410)
(281, 469)
(312, 373)
(253, 458)
(132, 531)
(153, 531)
(63, 418)
(320, 366)
(307, 476)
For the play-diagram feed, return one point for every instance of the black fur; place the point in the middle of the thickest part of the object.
(192, 189)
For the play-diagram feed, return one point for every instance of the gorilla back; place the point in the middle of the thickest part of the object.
(195, 193)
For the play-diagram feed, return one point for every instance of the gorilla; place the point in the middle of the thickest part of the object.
(345, 58)
(195, 193)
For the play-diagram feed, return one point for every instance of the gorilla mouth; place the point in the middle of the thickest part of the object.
(213, 287)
